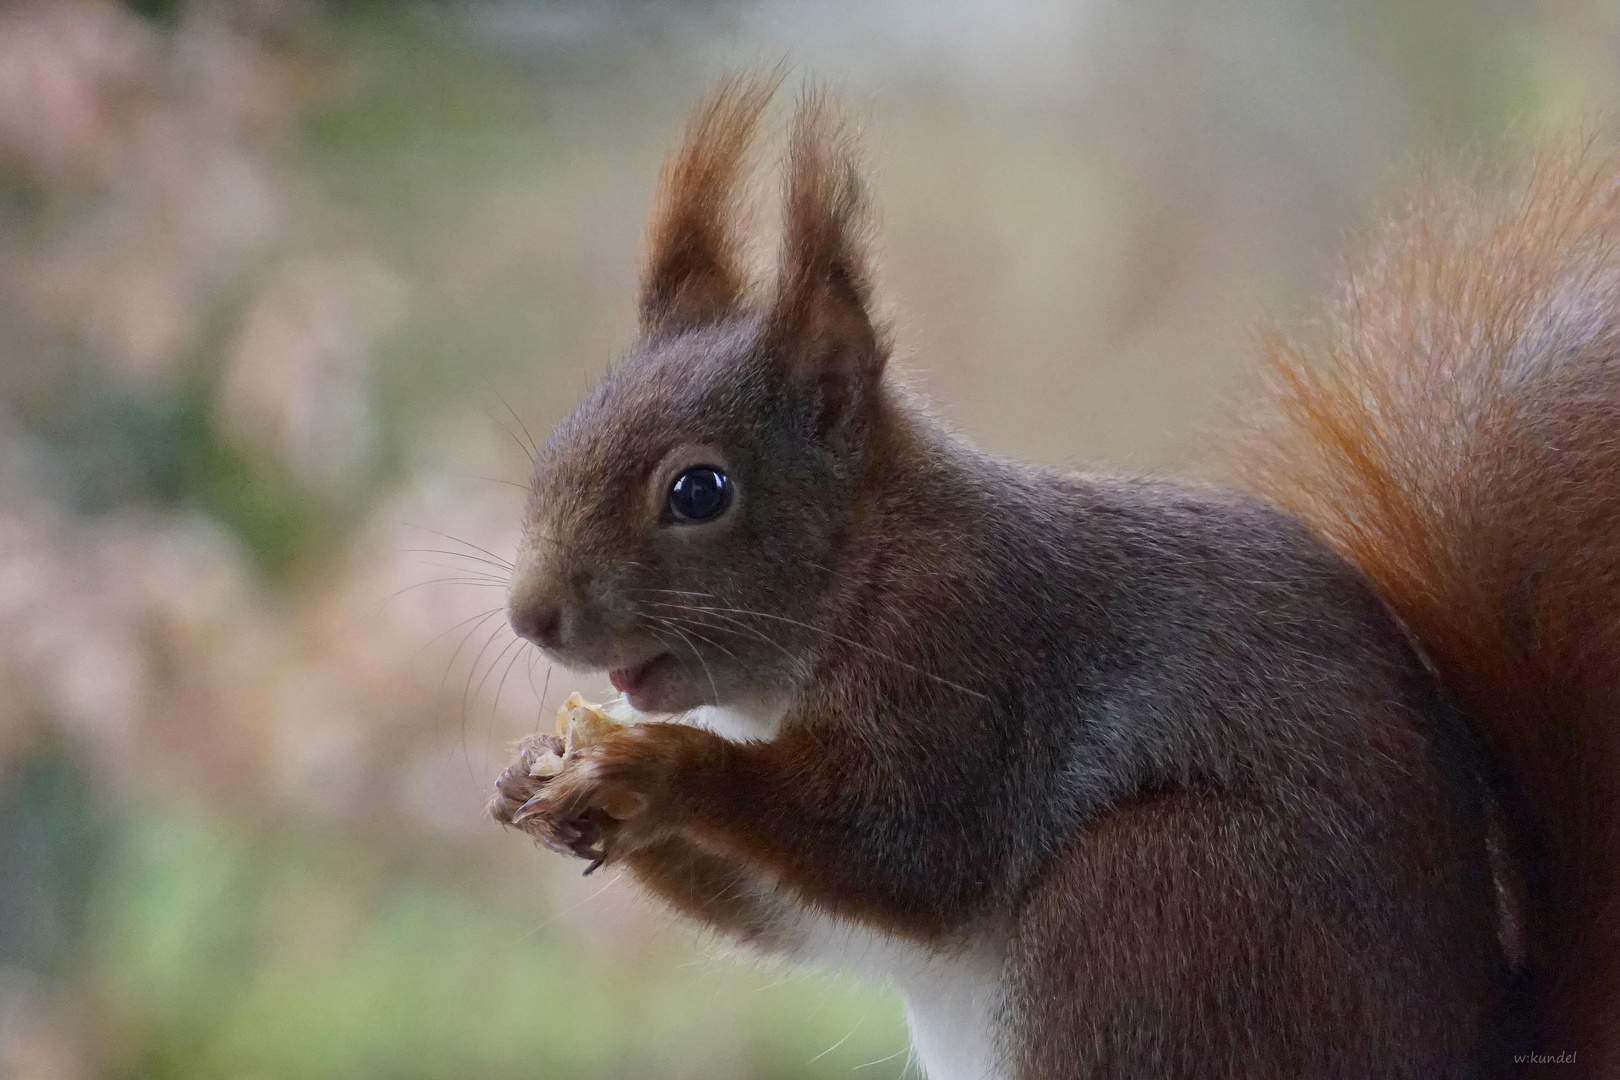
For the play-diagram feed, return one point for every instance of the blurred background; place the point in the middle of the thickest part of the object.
(286, 286)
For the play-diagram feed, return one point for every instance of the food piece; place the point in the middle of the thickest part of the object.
(549, 761)
(579, 724)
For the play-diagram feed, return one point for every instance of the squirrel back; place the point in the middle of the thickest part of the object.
(1456, 435)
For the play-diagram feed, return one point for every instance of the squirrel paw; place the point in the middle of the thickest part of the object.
(611, 797)
(536, 766)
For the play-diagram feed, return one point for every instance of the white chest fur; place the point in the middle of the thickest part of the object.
(739, 724)
(953, 1000)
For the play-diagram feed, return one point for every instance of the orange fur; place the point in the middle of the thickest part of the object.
(1456, 435)
(692, 271)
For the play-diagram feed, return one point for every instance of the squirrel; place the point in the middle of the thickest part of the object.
(1114, 777)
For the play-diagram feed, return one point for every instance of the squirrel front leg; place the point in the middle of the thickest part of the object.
(799, 810)
(702, 885)
(714, 889)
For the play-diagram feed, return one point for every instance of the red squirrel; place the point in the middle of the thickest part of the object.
(1115, 777)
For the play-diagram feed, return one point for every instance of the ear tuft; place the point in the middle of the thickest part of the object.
(820, 320)
(691, 268)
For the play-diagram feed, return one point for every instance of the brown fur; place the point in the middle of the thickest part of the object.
(1457, 436)
(823, 290)
(1155, 750)
(692, 267)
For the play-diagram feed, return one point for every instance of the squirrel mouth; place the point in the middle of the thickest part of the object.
(630, 681)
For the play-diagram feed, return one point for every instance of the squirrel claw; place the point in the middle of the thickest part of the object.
(530, 809)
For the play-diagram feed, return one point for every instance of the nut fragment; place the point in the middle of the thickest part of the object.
(580, 723)
(549, 762)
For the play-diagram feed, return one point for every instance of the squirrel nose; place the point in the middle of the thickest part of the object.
(541, 624)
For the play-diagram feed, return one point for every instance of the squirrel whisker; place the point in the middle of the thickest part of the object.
(465, 543)
(737, 627)
(913, 668)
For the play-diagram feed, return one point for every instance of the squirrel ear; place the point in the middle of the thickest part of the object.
(691, 273)
(820, 322)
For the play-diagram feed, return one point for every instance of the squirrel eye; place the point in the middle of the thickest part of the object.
(700, 493)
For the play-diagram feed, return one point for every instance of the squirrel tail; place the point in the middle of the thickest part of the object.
(1455, 433)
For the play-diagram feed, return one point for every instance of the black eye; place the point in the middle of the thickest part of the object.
(700, 493)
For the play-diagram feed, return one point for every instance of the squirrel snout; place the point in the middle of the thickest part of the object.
(540, 623)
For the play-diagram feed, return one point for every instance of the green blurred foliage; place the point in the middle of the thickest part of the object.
(298, 958)
(124, 447)
(205, 949)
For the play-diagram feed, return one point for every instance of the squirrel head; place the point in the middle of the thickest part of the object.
(685, 524)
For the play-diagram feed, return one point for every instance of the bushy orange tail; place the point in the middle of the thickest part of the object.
(1456, 434)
